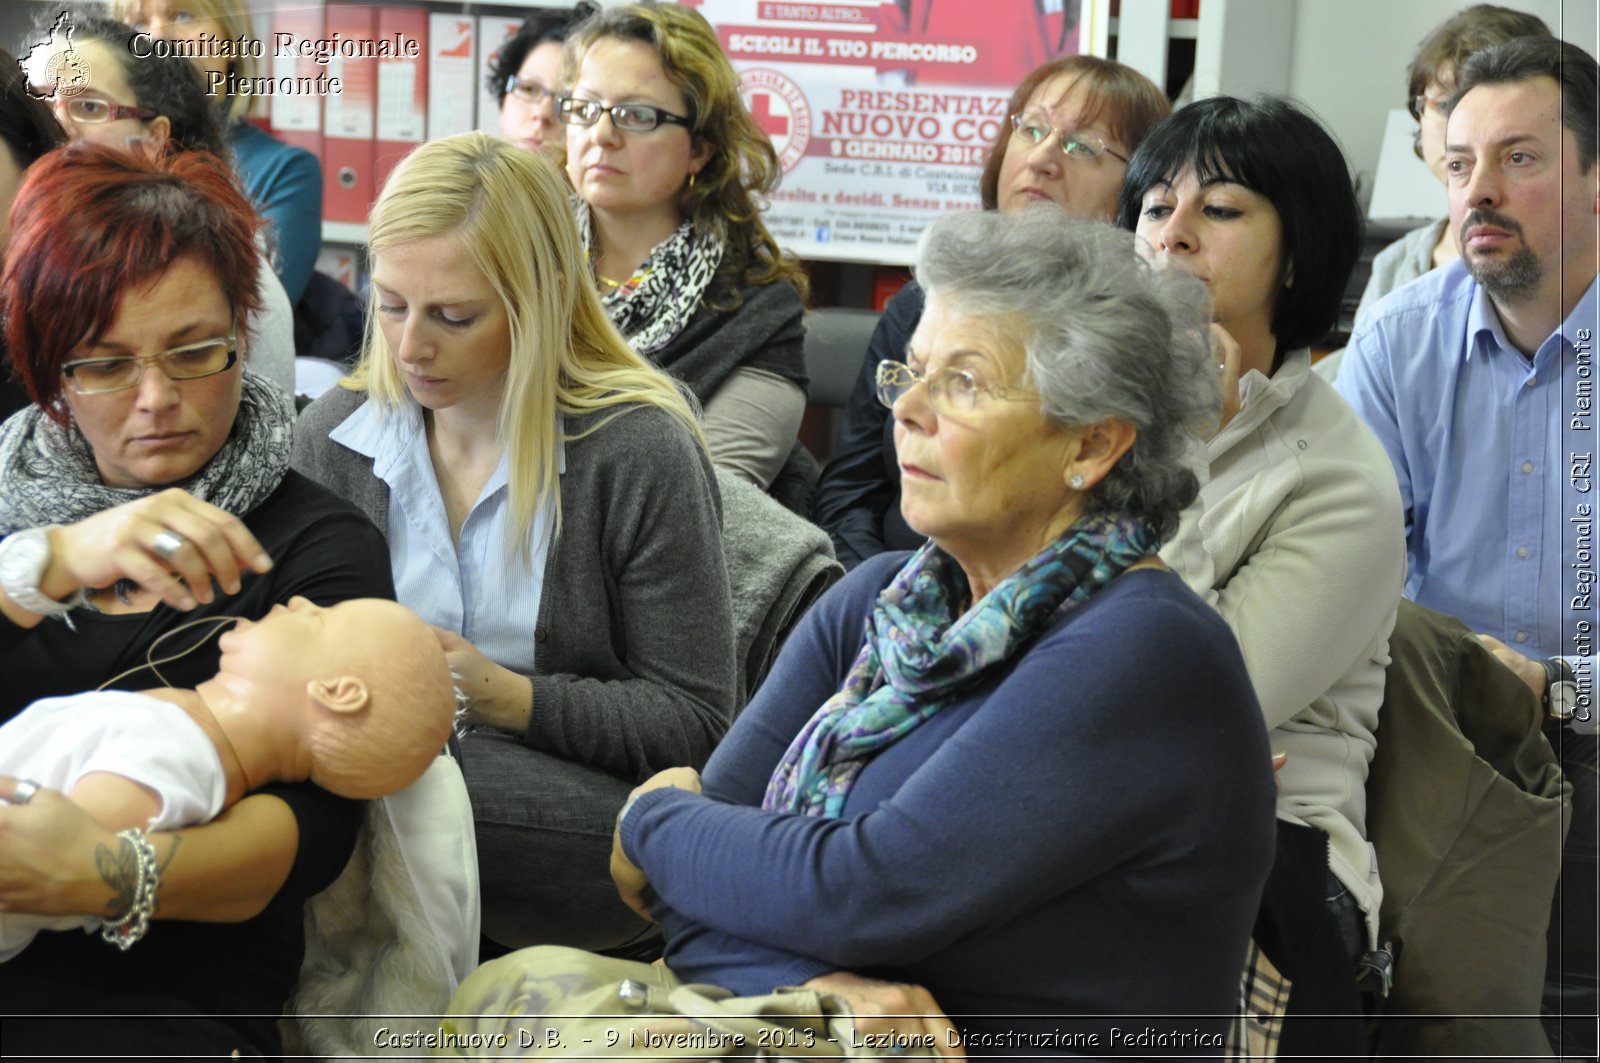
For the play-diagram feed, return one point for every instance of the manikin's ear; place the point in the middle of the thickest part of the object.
(343, 693)
(1100, 446)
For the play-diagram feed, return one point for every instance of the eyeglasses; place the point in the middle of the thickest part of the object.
(1425, 102)
(529, 92)
(1033, 129)
(92, 111)
(97, 376)
(952, 391)
(629, 117)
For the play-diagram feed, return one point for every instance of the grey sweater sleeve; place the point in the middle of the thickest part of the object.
(340, 469)
(634, 645)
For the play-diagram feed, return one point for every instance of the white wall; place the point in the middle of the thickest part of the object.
(1349, 58)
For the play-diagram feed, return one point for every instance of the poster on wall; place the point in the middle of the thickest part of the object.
(882, 112)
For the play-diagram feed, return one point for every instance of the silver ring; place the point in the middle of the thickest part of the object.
(166, 544)
(23, 792)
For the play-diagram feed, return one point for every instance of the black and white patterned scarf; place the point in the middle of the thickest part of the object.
(652, 307)
(48, 473)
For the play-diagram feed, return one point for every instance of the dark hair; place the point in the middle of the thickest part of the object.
(1276, 150)
(1570, 67)
(27, 128)
(1129, 102)
(549, 26)
(167, 84)
(1455, 39)
(92, 223)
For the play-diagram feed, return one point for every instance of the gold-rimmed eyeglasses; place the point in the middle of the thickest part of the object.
(951, 390)
(98, 376)
(1033, 129)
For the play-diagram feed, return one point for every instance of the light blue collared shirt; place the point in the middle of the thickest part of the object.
(482, 590)
(1494, 456)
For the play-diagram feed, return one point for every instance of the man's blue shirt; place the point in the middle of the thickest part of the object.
(1493, 454)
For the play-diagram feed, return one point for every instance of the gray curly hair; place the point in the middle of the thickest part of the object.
(1106, 336)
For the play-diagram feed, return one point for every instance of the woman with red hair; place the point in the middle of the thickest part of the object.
(149, 485)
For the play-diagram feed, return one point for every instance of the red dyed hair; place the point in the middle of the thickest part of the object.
(90, 223)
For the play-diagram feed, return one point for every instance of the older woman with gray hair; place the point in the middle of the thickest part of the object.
(1038, 788)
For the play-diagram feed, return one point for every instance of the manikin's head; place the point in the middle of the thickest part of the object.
(364, 684)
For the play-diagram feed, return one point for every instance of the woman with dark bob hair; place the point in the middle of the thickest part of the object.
(1297, 538)
(966, 774)
(1071, 125)
(146, 487)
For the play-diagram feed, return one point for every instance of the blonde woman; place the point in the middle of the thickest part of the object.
(284, 182)
(669, 168)
(549, 505)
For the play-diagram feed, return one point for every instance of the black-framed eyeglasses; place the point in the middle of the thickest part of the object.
(91, 110)
(952, 391)
(628, 117)
(98, 376)
(528, 91)
(1033, 129)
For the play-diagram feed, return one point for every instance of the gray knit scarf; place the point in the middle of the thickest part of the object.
(48, 473)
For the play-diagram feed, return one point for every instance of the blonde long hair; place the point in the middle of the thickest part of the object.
(509, 208)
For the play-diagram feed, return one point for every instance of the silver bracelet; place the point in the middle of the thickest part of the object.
(132, 926)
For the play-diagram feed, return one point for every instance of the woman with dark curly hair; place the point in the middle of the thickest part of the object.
(525, 78)
(670, 167)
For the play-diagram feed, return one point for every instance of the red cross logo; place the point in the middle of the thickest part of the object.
(773, 125)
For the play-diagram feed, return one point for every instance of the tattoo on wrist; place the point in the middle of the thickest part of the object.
(120, 871)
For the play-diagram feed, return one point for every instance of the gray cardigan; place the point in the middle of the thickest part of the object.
(634, 651)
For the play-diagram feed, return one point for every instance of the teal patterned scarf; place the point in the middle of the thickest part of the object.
(921, 652)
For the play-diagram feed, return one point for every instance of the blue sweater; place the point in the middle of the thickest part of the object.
(285, 184)
(1092, 843)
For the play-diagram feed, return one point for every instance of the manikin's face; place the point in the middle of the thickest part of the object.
(303, 642)
(355, 696)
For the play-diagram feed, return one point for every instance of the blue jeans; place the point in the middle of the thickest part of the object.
(544, 828)
(1352, 924)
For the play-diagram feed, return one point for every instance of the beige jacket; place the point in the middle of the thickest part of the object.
(1298, 541)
